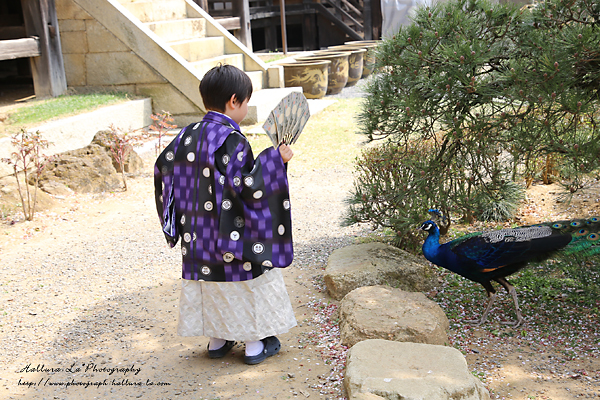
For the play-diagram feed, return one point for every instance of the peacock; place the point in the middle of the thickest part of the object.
(484, 257)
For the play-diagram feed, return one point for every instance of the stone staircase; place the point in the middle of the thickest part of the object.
(181, 42)
(189, 37)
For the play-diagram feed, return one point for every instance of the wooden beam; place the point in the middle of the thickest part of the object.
(19, 48)
(241, 9)
(283, 26)
(231, 23)
(48, 70)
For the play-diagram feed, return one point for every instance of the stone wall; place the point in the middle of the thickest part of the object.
(96, 60)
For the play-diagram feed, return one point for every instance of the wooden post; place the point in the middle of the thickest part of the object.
(241, 8)
(368, 20)
(48, 70)
(309, 28)
(283, 26)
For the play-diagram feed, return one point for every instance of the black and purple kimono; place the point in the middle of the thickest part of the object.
(231, 211)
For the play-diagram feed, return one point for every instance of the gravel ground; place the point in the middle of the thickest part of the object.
(90, 294)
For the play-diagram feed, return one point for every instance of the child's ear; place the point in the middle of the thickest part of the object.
(232, 101)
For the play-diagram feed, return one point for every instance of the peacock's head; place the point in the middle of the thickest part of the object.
(428, 226)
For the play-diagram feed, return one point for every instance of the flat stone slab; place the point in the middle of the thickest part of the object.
(371, 264)
(410, 371)
(382, 312)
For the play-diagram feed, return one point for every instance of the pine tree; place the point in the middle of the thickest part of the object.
(473, 101)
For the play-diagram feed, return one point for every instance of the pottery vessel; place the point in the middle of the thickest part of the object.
(338, 69)
(370, 57)
(355, 61)
(312, 76)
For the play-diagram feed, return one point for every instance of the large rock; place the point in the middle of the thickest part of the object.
(10, 200)
(382, 312)
(373, 264)
(91, 169)
(410, 371)
(87, 170)
(133, 162)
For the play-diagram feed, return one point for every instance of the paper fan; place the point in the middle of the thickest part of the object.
(287, 119)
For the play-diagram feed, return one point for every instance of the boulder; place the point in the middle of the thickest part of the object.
(87, 170)
(91, 169)
(410, 371)
(133, 163)
(382, 312)
(371, 264)
(10, 200)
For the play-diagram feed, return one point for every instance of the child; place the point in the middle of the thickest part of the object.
(232, 213)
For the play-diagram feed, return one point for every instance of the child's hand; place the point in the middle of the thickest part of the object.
(286, 152)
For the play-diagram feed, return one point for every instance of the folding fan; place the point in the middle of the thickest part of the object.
(287, 119)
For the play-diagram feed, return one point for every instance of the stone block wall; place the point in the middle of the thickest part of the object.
(96, 60)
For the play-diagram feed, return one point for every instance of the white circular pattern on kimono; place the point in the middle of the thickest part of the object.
(258, 248)
(194, 237)
(240, 156)
(237, 181)
(208, 206)
(183, 251)
(205, 270)
(206, 172)
(160, 198)
(281, 229)
(239, 222)
(286, 204)
(248, 181)
(226, 159)
(222, 179)
(235, 236)
(209, 189)
(191, 157)
(258, 194)
(226, 204)
(182, 219)
(170, 156)
(196, 126)
(187, 237)
(187, 141)
(247, 266)
(267, 263)
(228, 257)
(164, 170)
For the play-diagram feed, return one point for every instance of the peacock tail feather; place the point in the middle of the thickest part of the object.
(585, 235)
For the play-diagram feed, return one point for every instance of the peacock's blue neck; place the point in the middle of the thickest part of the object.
(431, 246)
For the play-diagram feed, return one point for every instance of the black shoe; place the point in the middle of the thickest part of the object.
(221, 352)
(272, 346)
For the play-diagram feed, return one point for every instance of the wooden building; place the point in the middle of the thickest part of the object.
(30, 49)
(309, 24)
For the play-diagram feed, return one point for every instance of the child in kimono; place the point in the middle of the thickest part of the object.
(232, 214)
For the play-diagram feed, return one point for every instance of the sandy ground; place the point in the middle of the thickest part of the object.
(89, 293)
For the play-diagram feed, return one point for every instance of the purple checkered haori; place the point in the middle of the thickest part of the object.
(231, 211)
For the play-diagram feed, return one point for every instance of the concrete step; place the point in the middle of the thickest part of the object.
(263, 101)
(169, 31)
(258, 80)
(149, 11)
(199, 49)
(232, 59)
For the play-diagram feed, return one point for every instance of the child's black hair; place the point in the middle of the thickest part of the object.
(220, 83)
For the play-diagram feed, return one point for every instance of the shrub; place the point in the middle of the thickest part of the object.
(475, 100)
(29, 160)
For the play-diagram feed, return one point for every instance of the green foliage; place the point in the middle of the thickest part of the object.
(62, 105)
(473, 99)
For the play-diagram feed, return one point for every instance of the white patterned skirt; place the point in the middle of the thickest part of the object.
(243, 311)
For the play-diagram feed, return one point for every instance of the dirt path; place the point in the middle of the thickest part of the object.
(89, 294)
(91, 288)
